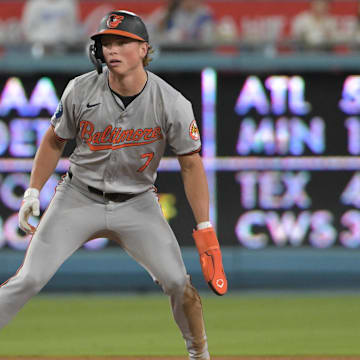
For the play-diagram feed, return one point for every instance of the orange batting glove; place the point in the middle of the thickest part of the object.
(211, 259)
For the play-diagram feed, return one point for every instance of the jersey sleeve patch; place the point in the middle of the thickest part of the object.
(59, 110)
(194, 131)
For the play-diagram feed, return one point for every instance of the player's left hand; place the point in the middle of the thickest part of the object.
(211, 259)
(29, 206)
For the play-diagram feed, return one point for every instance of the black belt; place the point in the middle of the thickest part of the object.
(115, 197)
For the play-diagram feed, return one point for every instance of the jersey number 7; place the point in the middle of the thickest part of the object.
(149, 157)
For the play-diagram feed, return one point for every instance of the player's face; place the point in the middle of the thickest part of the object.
(123, 54)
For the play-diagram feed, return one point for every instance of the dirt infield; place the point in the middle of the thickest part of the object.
(185, 358)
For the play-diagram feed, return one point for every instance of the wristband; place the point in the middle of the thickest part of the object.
(203, 225)
(31, 192)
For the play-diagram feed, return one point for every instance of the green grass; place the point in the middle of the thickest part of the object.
(276, 324)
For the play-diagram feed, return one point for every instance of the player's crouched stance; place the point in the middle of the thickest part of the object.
(121, 117)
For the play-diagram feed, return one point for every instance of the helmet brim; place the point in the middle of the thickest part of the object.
(117, 32)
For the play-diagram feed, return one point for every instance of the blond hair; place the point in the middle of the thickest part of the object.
(147, 59)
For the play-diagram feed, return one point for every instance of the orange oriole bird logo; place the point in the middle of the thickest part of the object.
(114, 20)
(194, 131)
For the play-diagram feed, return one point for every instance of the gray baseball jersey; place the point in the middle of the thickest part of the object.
(119, 149)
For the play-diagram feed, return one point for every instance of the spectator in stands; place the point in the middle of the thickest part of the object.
(352, 39)
(182, 21)
(51, 25)
(315, 28)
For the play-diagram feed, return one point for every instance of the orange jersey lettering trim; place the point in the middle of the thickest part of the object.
(116, 138)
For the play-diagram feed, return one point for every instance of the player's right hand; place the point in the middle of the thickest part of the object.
(29, 206)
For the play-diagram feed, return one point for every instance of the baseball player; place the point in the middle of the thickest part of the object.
(121, 117)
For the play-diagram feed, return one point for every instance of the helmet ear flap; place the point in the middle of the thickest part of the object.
(98, 50)
(96, 55)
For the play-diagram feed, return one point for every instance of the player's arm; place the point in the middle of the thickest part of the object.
(195, 185)
(197, 193)
(46, 159)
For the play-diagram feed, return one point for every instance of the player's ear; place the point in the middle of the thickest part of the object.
(144, 47)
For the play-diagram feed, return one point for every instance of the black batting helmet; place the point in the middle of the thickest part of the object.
(117, 22)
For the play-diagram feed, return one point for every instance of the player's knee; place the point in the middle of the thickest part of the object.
(175, 285)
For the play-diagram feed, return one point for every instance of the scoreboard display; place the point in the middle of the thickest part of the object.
(281, 152)
(294, 145)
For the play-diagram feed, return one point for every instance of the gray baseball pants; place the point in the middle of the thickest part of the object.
(75, 216)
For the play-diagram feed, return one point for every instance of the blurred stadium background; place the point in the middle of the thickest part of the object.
(279, 116)
(280, 126)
